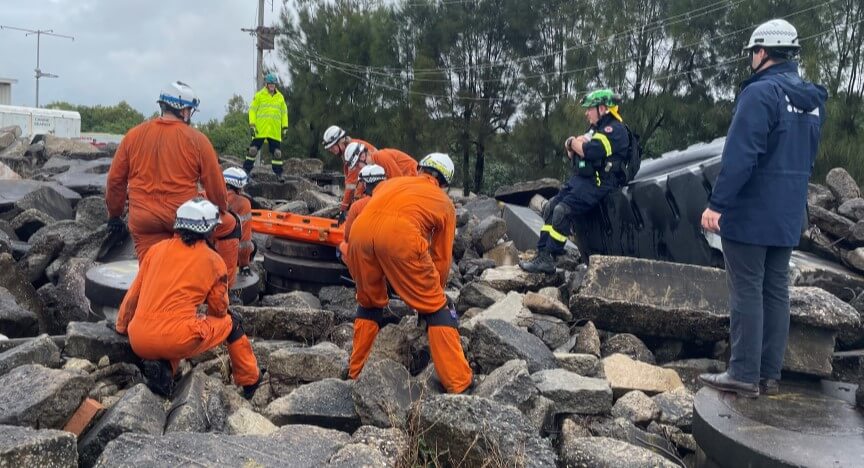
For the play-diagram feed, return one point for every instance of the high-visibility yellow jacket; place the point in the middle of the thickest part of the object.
(269, 114)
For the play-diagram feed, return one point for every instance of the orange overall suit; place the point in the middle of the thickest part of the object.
(353, 213)
(240, 205)
(159, 312)
(352, 177)
(395, 162)
(404, 237)
(157, 167)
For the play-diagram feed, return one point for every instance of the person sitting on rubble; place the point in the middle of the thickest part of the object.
(160, 310)
(336, 140)
(370, 177)
(596, 159)
(240, 204)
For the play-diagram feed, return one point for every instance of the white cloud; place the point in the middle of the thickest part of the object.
(127, 50)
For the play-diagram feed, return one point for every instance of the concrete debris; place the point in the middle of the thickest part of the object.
(521, 193)
(325, 403)
(486, 234)
(23, 446)
(35, 396)
(628, 345)
(636, 407)
(842, 185)
(494, 342)
(624, 374)
(510, 384)
(40, 350)
(503, 254)
(291, 367)
(383, 394)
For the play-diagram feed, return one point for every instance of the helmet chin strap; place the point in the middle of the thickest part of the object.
(754, 71)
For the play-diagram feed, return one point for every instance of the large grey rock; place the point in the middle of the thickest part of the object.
(16, 321)
(247, 422)
(587, 340)
(66, 301)
(71, 147)
(391, 443)
(476, 294)
(41, 350)
(25, 447)
(629, 345)
(582, 364)
(316, 200)
(508, 309)
(487, 233)
(852, 209)
(91, 212)
(818, 308)
(276, 323)
(358, 455)
(12, 192)
(842, 185)
(503, 254)
(495, 342)
(830, 221)
(46, 199)
(15, 281)
(624, 374)
(552, 330)
(394, 342)
(809, 270)
(35, 396)
(472, 268)
(821, 196)
(544, 305)
(92, 340)
(809, 350)
(29, 221)
(676, 408)
(291, 446)
(509, 384)
(513, 278)
(293, 299)
(138, 411)
(476, 430)
(383, 394)
(326, 403)
(604, 452)
(338, 299)
(198, 405)
(482, 207)
(293, 366)
(573, 393)
(636, 407)
(521, 193)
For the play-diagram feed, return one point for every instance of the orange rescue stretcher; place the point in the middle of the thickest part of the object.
(297, 227)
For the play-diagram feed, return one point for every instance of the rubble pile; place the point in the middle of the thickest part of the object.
(594, 365)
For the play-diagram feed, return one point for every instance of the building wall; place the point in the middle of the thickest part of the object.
(5, 94)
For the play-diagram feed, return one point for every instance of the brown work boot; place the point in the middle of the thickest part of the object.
(725, 383)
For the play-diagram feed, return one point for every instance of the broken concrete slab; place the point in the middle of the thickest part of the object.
(326, 403)
(247, 422)
(293, 366)
(510, 384)
(485, 235)
(624, 374)
(307, 325)
(842, 185)
(13, 192)
(542, 304)
(66, 301)
(16, 321)
(383, 394)
(394, 342)
(605, 452)
(316, 200)
(41, 350)
(482, 207)
(494, 342)
(48, 200)
(26, 447)
(521, 193)
(293, 299)
(513, 278)
(138, 411)
(573, 393)
(86, 178)
(35, 396)
(582, 364)
(676, 408)
(551, 330)
(636, 407)
(508, 309)
(70, 147)
(523, 227)
(477, 294)
(503, 254)
(475, 430)
(830, 221)
(628, 345)
(810, 270)
(92, 340)
(809, 350)
(198, 405)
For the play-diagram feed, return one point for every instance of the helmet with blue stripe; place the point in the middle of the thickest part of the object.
(178, 95)
(235, 177)
(197, 215)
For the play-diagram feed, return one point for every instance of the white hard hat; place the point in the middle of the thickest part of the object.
(372, 173)
(777, 33)
(352, 153)
(235, 177)
(332, 135)
(179, 95)
(197, 215)
(441, 163)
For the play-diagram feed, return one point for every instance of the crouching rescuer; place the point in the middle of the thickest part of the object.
(404, 237)
(601, 163)
(160, 310)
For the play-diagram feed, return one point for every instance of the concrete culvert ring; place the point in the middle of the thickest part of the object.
(301, 269)
(305, 250)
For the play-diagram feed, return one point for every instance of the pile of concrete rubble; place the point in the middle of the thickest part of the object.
(593, 366)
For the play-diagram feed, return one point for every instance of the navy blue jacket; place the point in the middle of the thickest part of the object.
(609, 142)
(770, 149)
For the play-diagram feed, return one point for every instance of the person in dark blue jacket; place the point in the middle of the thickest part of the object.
(596, 158)
(758, 204)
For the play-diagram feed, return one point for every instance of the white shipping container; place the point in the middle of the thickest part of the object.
(35, 121)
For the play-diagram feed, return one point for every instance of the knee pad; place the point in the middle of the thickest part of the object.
(252, 151)
(560, 218)
(237, 331)
(376, 315)
(445, 317)
(277, 154)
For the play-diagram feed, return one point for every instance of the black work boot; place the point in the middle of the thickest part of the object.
(769, 387)
(159, 377)
(543, 262)
(249, 390)
(725, 383)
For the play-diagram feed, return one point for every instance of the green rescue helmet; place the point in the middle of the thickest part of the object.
(601, 97)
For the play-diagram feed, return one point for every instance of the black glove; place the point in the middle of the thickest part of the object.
(253, 131)
(116, 226)
(246, 271)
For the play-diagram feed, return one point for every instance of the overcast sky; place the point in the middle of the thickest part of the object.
(128, 49)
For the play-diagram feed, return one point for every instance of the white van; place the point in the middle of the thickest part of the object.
(35, 121)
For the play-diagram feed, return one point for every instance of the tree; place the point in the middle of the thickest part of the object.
(117, 119)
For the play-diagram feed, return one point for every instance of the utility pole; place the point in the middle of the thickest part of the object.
(265, 37)
(39, 33)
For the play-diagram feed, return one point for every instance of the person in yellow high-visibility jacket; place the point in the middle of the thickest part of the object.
(268, 122)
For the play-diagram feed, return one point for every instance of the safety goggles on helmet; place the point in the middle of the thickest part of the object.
(332, 136)
(372, 174)
(352, 154)
(235, 177)
(197, 215)
(440, 163)
(179, 95)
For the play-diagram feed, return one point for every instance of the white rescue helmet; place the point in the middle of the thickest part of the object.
(197, 215)
(372, 174)
(441, 163)
(352, 153)
(179, 95)
(774, 34)
(235, 177)
(332, 135)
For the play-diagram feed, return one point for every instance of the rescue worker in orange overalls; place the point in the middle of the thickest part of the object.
(404, 237)
(240, 204)
(158, 166)
(370, 177)
(335, 141)
(395, 162)
(159, 312)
